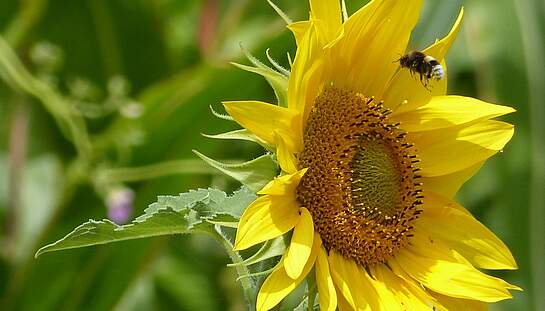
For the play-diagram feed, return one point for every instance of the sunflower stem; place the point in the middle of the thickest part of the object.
(311, 290)
(30, 13)
(248, 287)
(533, 49)
(167, 168)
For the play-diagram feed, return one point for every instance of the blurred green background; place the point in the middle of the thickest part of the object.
(116, 94)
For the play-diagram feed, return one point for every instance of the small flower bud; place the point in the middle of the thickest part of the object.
(120, 205)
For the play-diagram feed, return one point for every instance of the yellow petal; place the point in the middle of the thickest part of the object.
(451, 150)
(374, 37)
(298, 252)
(284, 185)
(342, 303)
(448, 185)
(444, 271)
(324, 282)
(405, 87)
(328, 18)
(457, 304)
(408, 296)
(344, 10)
(447, 111)
(285, 157)
(459, 230)
(305, 82)
(389, 301)
(266, 218)
(278, 284)
(264, 119)
(353, 282)
(406, 93)
(299, 29)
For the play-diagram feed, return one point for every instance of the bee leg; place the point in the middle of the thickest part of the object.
(427, 84)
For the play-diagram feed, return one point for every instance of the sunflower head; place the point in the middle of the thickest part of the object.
(371, 159)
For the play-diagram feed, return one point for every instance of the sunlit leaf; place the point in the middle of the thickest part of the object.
(185, 213)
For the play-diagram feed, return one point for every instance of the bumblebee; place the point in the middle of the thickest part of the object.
(424, 65)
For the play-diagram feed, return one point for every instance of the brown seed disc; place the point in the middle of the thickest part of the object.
(361, 185)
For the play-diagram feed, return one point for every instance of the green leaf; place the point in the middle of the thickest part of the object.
(186, 213)
(254, 174)
(101, 232)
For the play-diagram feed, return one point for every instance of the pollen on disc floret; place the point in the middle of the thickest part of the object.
(362, 185)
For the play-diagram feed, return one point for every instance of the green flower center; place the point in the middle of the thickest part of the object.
(376, 181)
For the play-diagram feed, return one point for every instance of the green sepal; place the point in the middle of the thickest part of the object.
(276, 65)
(254, 174)
(281, 13)
(220, 115)
(277, 80)
(242, 134)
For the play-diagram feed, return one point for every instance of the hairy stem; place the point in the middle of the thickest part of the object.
(248, 286)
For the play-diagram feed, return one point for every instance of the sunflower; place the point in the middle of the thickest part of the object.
(371, 160)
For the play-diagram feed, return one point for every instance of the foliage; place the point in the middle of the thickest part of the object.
(103, 95)
(191, 212)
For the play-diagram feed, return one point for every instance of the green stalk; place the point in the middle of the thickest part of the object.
(248, 287)
(312, 290)
(13, 72)
(533, 43)
(30, 13)
(131, 174)
(106, 36)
